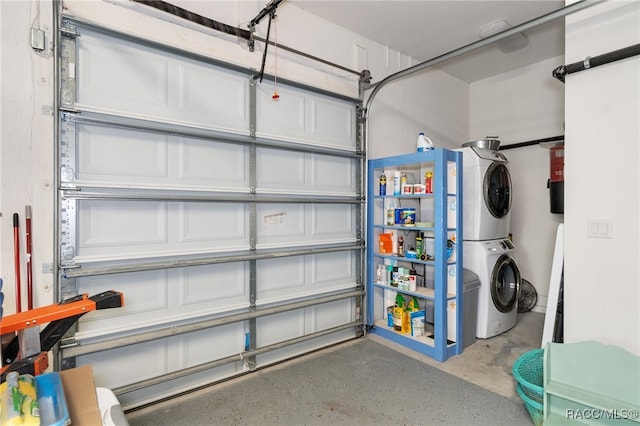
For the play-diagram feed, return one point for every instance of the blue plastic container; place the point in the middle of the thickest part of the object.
(51, 400)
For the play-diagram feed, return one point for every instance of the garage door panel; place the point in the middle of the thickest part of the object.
(332, 175)
(122, 75)
(333, 222)
(285, 118)
(207, 345)
(121, 225)
(125, 229)
(284, 171)
(280, 327)
(301, 276)
(120, 366)
(116, 75)
(333, 314)
(214, 165)
(332, 121)
(203, 95)
(107, 153)
(332, 270)
(305, 117)
(303, 173)
(218, 225)
(305, 347)
(152, 298)
(279, 278)
(116, 156)
(278, 224)
(146, 295)
(285, 224)
(214, 287)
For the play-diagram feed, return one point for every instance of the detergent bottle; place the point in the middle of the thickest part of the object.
(423, 143)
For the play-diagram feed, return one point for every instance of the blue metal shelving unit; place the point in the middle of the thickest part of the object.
(438, 160)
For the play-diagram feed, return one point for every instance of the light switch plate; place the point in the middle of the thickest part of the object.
(599, 228)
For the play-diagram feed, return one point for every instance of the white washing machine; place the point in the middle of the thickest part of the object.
(494, 262)
(486, 194)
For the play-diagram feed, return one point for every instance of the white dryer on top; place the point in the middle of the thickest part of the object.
(486, 194)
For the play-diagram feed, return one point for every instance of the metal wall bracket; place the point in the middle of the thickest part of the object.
(67, 150)
(68, 230)
(364, 82)
(67, 61)
(67, 29)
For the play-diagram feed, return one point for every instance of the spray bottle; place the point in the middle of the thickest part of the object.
(396, 183)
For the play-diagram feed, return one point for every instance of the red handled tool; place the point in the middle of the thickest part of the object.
(16, 258)
(29, 264)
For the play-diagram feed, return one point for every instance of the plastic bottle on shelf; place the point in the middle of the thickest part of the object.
(423, 143)
(383, 184)
(400, 246)
(391, 214)
(398, 311)
(396, 183)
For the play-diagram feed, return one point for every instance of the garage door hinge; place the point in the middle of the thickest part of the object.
(68, 342)
(69, 265)
(360, 114)
(68, 30)
(68, 110)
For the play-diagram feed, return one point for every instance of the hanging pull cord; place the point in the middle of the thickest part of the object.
(275, 95)
(266, 46)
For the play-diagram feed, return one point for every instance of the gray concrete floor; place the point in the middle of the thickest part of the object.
(367, 381)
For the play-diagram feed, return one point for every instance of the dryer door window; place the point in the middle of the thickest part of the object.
(497, 189)
(505, 284)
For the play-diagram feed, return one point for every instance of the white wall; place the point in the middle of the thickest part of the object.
(429, 101)
(518, 106)
(26, 146)
(27, 140)
(602, 277)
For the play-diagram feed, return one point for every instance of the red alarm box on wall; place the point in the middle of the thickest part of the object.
(556, 178)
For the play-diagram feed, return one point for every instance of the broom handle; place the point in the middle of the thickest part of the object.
(29, 264)
(16, 257)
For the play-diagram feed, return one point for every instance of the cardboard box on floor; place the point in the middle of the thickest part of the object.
(80, 394)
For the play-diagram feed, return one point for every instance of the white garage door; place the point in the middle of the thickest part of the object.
(231, 223)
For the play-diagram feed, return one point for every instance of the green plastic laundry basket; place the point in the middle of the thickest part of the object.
(535, 409)
(528, 372)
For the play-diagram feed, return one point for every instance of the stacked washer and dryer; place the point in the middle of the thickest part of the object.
(487, 249)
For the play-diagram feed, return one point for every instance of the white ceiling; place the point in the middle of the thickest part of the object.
(424, 29)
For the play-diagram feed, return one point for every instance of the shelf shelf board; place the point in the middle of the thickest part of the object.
(421, 292)
(408, 259)
(382, 327)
